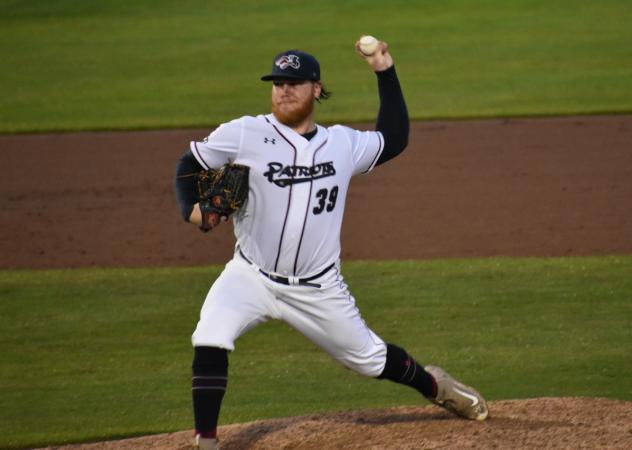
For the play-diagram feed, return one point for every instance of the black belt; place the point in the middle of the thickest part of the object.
(293, 280)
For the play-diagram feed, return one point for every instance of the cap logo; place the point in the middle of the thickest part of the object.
(286, 61)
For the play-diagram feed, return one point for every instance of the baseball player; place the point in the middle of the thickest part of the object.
(286, 264)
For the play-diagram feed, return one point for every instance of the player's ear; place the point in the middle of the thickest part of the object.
(317, 89)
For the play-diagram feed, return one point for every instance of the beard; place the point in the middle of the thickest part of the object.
(293, 114)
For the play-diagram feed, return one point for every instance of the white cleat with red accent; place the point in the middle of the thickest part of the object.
(201, 443)
(456, 397)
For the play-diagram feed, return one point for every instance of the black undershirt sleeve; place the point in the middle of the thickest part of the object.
(186, 193)
(392, 119)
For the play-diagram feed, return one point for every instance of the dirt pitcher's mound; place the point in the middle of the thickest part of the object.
(545, 423)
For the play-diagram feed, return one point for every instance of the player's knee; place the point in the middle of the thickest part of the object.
(210, 361)
(367, 368)
(369, 364)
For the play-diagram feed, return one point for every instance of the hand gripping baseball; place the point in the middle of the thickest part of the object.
(221, 192)
(374, 52)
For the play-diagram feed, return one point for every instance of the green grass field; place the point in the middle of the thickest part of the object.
(71, 65)
(94, 354)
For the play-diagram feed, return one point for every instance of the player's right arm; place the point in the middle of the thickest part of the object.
(392, 120)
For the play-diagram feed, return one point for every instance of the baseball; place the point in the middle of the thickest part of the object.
(368, 45)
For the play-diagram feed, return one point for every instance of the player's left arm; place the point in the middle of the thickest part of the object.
(219, 148)
(186, 191)
(392, 120)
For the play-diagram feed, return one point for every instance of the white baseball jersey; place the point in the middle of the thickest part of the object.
(292, 220)
(290, 227)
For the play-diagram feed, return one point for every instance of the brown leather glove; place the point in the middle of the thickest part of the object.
(221, 192)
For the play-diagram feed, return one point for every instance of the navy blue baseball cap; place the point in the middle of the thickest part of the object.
(294, 64)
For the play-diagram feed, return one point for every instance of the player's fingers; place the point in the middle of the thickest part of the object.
(213, 219)
(382, 50)
(357, 49)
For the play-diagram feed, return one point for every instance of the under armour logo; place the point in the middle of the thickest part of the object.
(271, 140)
(288, 60)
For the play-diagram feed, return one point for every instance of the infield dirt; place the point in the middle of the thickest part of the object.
(512, 187)
(505, 187)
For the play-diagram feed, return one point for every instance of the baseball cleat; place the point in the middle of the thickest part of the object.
(456, 397)
(201, 443)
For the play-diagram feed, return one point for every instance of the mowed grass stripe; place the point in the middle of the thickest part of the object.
(94, 354)
(156, 64)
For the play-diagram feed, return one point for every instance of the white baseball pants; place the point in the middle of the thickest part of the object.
(242, 298)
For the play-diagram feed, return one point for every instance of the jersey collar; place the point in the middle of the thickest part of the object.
(295, 138)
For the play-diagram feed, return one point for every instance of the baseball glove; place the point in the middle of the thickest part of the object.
(221, 192)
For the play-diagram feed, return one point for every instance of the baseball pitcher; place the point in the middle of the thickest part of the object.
(284, 179)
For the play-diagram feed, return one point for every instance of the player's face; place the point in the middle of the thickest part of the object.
(293, 100)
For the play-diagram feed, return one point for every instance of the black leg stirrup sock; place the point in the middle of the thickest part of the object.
(210, 377)
(402, 368)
